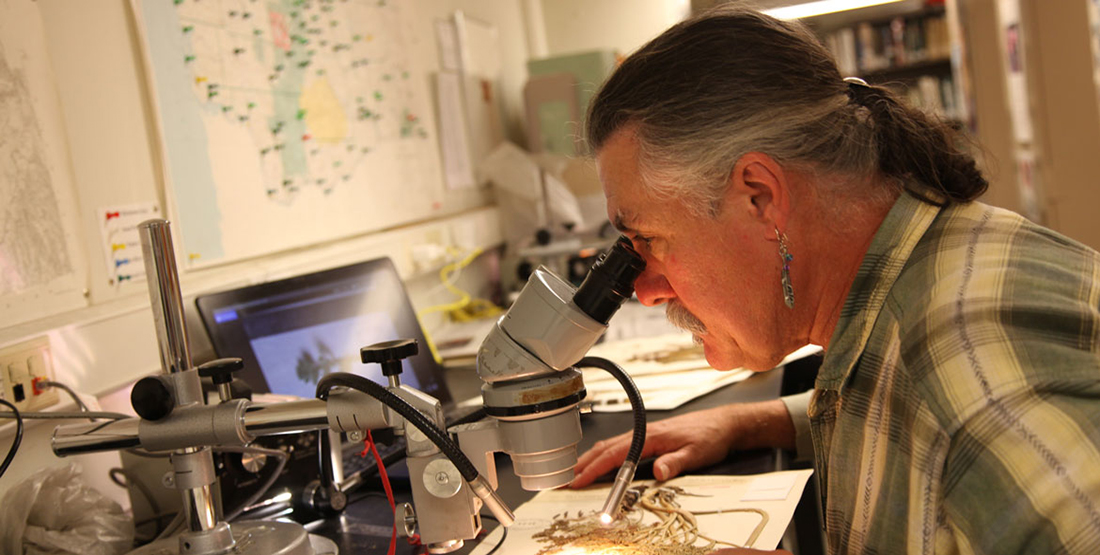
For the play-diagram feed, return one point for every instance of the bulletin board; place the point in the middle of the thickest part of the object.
(287, 123)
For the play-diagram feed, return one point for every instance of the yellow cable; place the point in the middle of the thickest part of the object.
(464, 309)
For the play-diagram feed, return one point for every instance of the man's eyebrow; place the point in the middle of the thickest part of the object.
(621, 222)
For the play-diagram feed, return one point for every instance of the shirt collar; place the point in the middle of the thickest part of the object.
(894, 241)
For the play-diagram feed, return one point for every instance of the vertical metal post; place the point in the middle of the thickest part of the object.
(164, 294)
(175, 358)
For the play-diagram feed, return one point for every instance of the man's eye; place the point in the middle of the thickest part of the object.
(643, 241)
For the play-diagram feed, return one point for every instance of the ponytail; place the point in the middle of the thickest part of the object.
(919, 149)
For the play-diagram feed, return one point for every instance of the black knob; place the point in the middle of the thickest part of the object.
(152, 398)
(221, 370)
(389, 354)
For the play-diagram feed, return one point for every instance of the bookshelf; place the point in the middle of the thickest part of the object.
(909, 50)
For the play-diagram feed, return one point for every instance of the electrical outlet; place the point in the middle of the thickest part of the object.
(23, 367)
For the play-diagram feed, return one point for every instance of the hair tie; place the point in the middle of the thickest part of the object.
(856, 88)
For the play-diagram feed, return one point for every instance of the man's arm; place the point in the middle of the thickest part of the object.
(695, 440)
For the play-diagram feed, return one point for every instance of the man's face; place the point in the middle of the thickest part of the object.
(717, 275)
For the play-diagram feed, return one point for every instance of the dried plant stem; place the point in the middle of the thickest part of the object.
(675, 533)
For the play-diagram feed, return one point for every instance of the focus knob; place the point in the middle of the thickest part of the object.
(389, 354)
(152, 398)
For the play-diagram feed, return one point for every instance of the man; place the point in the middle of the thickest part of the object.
(957, 409)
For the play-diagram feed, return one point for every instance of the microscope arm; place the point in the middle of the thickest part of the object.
(447, 505)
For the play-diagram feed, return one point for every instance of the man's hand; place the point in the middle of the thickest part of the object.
(694, 440)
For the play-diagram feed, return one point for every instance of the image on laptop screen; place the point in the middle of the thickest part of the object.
(292, 332)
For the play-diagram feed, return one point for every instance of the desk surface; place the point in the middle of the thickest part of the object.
(365, 525)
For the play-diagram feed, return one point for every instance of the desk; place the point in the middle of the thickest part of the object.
(365, 526)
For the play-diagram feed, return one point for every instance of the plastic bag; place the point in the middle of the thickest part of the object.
(54, 512)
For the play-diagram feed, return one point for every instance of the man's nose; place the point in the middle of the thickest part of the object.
(652, 288)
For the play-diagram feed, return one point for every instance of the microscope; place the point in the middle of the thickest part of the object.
(531, 393)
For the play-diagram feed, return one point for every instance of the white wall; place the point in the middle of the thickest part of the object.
(620, 25)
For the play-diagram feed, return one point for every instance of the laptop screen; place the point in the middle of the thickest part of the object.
(292, 332)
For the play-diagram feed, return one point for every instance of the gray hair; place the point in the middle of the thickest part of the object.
(733, 81)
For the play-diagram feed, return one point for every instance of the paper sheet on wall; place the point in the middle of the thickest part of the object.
(287, 124)
(728, 509)
(122, 242)
(42, 269)
(458, 168)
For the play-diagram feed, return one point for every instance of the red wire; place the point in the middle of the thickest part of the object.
(369, 445)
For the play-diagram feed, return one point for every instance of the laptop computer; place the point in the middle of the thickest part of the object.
(291, 332)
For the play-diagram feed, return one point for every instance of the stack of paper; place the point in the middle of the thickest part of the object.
(669, 370)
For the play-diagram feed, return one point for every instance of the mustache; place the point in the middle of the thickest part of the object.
(679, 316)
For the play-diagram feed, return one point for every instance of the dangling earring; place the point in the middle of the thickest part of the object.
(785, 277)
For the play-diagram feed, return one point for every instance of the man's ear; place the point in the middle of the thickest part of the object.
(760, 187)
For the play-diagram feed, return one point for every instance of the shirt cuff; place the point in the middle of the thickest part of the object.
(799, 408)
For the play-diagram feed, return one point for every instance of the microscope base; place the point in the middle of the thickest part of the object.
(254, 538)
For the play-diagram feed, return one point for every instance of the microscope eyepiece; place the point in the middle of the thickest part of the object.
(610, 282)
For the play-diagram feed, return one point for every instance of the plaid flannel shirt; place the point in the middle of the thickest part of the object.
(957, 409)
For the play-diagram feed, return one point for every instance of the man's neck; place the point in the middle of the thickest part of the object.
(836, 252)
